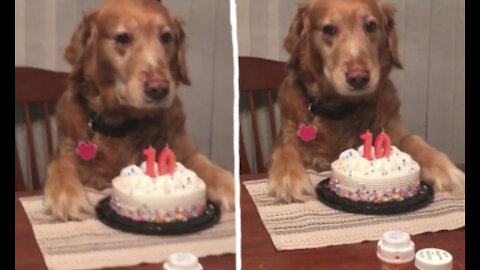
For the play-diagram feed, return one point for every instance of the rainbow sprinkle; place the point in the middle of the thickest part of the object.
(362, 194)
(146, 214)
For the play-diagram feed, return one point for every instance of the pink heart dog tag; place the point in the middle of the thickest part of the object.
(306, 132)
(86, 151)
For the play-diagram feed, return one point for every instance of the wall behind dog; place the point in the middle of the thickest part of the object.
(431, 86)
(43, 28)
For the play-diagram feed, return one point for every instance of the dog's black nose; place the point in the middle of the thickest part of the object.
(358, 78)
(156, 88)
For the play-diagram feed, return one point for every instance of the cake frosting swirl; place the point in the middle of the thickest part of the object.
(391, 178)
(162, 198)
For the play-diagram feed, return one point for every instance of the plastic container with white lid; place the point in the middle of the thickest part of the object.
(182, 261)
(433, 259)
(396, 250)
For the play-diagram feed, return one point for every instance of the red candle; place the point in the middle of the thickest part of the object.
(150, 153)
(367, 145)
(382, 141)
(166, 162)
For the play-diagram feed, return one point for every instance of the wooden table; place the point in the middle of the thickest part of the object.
(259, 253)
(28, 256)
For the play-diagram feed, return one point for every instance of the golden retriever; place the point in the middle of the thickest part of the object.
(128, 58)
(341, 53)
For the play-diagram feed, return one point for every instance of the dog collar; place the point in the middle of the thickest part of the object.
(330, 112)
(97, 124)
(325, 111)
(86, 149)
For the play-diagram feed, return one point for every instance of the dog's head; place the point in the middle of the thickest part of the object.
(350, 43)
(132, 52)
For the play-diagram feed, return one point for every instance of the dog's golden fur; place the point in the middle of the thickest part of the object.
(109, 77)
(320, 61)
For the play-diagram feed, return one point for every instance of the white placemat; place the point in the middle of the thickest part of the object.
(313, 225)
(90, 244)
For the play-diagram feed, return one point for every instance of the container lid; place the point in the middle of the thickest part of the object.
(395, 247)
(433, 259)
(182, 261)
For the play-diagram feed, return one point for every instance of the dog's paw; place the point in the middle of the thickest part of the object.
(290, 184)
(221, 190)
(440, 172)
(68, 201)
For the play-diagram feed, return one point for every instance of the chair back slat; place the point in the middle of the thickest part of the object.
(244, 166)
(31, 148)
(19, 183)
(273, 128)
(48, 128)
(257, 75)
(256, 135)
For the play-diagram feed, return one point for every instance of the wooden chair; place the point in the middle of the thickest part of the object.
(258, 76)
(33, 85)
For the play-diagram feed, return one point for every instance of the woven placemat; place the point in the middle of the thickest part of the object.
(90, 244)
(313, 225)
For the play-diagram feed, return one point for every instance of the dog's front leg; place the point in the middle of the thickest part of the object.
(220, 183)
(65, 197)
(436, 167)
(288, 180)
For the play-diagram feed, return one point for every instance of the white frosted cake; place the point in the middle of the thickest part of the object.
(385, 179)
(163, 198)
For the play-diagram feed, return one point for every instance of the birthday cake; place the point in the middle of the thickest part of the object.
(389, 176)
(154, 194)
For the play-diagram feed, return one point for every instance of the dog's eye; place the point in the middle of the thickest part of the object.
(123, 38)
(370, 26)
(329, 30)
(166, 37)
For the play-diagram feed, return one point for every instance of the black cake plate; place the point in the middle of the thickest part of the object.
(109, 217)
(331, 199)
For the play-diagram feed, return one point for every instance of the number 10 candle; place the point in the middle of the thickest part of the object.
(382, 145)
(166, 161)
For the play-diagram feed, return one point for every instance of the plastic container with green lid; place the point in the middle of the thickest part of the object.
(433, 259)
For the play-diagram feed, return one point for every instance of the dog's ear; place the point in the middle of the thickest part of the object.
(82, 37)
(299, 29)
(179, 63)
(388, 12)
(296, 40)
